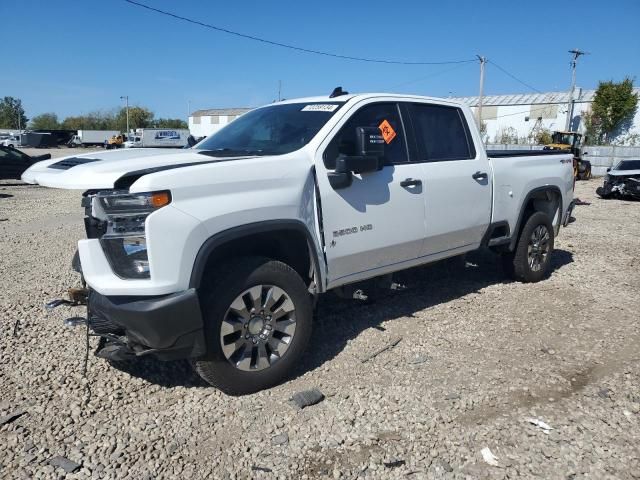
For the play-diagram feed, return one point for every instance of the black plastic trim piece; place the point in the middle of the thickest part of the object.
(236, 233)
(171, 325)
(492, 228)
(71, 162)
(523, 206)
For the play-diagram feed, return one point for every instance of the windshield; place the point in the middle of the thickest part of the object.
(272, 130)
(628, 165)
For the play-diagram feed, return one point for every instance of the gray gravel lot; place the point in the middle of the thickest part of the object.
(478, 356)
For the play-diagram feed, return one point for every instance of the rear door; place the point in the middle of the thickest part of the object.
(377, 223)
(457, 178)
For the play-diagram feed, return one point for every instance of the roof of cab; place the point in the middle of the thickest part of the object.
(362, 96)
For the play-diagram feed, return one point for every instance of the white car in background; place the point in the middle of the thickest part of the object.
(12, 141)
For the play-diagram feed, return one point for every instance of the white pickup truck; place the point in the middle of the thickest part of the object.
(216, 253)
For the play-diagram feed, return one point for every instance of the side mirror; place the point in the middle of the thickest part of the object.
(369, 158)
(608, 169)
(39, 158)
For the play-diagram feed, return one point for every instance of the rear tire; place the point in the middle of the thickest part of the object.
(530, 260)
(257, 317)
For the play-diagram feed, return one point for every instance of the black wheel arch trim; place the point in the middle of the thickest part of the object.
(234, 233)
(523, 207)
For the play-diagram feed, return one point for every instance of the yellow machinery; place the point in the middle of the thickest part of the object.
(572, 142)
(116, 141)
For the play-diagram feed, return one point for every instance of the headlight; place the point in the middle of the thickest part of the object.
(124, 242)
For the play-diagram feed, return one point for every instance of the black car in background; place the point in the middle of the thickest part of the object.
(14, 162)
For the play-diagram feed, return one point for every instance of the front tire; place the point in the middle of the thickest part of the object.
(257, 318)
(531, 259)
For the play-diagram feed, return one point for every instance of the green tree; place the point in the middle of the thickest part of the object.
(613, 109)
(92, 121)
(139, 117)
(169, 123)
(12, 114)
(45, 121)
(542, 137)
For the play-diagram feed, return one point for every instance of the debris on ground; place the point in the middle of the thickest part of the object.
(307, 398)
(540, 424)
(281, 439)
(392, 343)
(69, 466)
(394, 463)
(256, 468)
(418, 359)
(489, 457)
(12, 416)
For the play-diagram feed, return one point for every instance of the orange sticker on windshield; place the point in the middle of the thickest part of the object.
(388, 133)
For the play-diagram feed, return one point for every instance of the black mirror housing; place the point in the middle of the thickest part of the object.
(370, 142)
(339, 180)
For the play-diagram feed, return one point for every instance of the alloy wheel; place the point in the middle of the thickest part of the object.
(258, 328)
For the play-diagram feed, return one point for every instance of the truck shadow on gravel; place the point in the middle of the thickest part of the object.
(337, 321)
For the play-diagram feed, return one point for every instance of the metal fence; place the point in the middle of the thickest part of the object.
(601, 157)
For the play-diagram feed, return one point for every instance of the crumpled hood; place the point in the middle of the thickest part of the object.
(101, 169)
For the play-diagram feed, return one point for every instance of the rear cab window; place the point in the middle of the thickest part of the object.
(441, 133)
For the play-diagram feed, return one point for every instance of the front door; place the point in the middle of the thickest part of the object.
(377, 223)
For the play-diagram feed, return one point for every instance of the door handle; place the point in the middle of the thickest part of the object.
(410, 182)
(480, 175)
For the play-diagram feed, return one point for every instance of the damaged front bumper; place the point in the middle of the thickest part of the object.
(168, 327)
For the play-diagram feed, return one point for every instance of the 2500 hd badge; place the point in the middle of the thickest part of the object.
(352, 230)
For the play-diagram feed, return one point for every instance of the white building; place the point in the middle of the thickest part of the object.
(521, 115)
(203, 123)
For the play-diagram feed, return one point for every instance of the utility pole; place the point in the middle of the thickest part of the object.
(483, 60)
(126, 99)
(279, 90)
(574, 61)
(188, 110)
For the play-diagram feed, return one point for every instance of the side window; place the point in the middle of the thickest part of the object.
(441, 133)
(373, 115)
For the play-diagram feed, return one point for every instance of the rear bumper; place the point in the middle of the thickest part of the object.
(168, 327)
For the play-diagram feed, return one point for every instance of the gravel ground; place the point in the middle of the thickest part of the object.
(478, 355)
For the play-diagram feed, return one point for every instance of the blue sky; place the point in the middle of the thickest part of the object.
(74, 56)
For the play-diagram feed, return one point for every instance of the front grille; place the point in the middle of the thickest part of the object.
(71, 162)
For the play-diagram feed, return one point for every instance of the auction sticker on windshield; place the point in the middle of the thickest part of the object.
(320, 107)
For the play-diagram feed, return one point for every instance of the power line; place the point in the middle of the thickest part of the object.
(431, 75)
(284, 45)
(513, 76)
